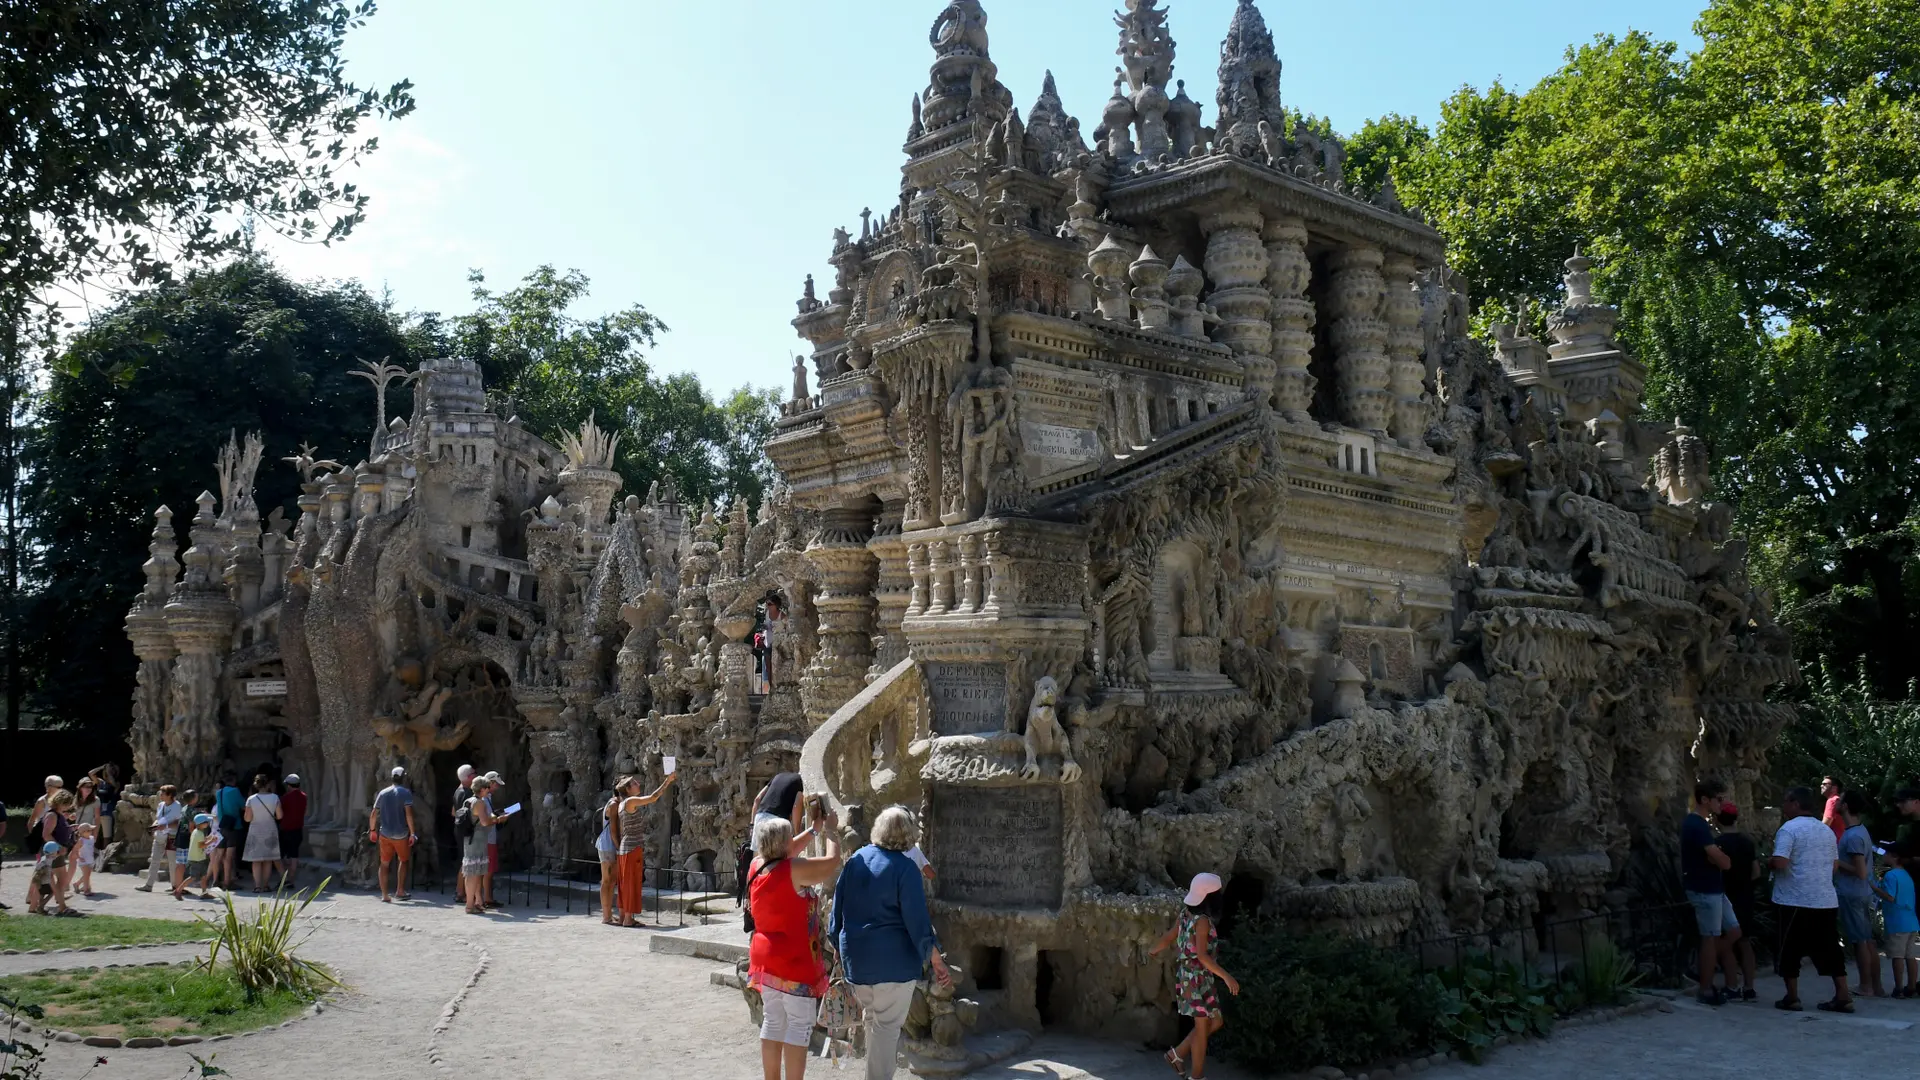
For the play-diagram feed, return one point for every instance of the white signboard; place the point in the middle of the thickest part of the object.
(1060, 447)
(266, 687)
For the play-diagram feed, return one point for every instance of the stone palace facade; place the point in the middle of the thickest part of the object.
(1147, 510)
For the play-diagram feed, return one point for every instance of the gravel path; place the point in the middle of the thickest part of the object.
(436, 992)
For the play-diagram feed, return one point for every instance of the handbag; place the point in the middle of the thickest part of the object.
(839, 1009)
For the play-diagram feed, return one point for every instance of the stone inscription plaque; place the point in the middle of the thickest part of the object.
(997, 846)
(968, 698)
(1051, 448)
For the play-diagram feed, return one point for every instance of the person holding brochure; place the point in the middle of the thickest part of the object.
(630, 831)
(470, 825)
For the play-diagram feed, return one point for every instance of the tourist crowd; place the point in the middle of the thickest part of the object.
(1829, 880)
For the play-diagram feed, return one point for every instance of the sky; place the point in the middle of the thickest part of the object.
(695, 157)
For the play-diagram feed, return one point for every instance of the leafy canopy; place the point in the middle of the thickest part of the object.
(134, 132)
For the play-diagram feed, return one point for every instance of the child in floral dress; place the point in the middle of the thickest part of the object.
(1194, 972)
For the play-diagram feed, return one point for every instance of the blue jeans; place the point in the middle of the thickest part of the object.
(1713, 912)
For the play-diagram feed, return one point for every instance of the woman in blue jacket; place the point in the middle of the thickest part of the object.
(881, 925)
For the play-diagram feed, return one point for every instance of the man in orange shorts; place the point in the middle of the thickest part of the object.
(390, 825)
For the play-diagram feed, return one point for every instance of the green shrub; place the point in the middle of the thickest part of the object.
(1307, 1001)
(1486, 997)
(261, 950)
(1844, 727)
(1604, 975)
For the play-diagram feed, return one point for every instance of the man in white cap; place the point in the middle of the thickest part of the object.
(460, 796)
(390, 825)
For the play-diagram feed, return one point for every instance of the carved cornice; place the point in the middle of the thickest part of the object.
(1207, 182)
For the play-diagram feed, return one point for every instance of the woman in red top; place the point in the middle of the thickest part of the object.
(785, 962)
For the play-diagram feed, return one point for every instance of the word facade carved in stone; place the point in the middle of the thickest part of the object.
(1173, 453)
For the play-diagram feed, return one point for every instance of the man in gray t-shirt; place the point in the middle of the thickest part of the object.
(390, 825)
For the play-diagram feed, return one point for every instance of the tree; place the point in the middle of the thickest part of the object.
(553, 370)
(137, 136)
(1757, 216)
(136, 407)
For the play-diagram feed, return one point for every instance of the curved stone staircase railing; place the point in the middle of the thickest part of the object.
(868, 753)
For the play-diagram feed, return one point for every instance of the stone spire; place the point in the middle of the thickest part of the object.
(1053, 137)
(962, 83)
(1249, 81)
(1146, 57)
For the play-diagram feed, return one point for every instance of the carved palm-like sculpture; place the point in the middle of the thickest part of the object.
(380, 374)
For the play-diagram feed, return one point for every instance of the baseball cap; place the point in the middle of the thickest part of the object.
(1204, 885)
(398, 772)
(292, 778)
(202, 819)
(50, 848)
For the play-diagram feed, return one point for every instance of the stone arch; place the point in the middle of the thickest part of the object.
(896, 278)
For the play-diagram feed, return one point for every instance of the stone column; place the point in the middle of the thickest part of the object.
(200, 617)
(940, 559)
(153, 644)
(1237, 266)
(1407, 373)
(846, 608)
(1359, 339)
(1288, 273)
(893, 591)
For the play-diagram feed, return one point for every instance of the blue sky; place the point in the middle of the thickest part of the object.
(695, 157)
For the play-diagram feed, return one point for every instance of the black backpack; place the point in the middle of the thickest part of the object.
(463, 823)
(183, 833)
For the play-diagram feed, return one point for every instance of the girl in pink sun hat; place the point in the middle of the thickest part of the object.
(1194, 972)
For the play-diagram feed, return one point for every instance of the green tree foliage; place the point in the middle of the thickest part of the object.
(1379, 145)
(142, 135)
(135, 132)
(1756, 211)
(135, 409)
(1846, 728)
(552, 369)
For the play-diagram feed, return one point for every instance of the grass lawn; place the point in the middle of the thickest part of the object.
(132, 1003)
(19, 930)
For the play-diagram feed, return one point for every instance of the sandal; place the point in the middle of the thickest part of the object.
(1172, 1057)
(1835, 1006)
(1789, 1004)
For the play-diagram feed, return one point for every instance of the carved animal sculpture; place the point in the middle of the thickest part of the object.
(1045, 735)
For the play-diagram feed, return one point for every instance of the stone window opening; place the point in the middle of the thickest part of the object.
(989, 966)
(1365, 469)
(466, 536)
(1376, 657)
(1193, 412)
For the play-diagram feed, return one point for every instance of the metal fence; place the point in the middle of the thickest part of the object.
(1661, 941)
(673, 897)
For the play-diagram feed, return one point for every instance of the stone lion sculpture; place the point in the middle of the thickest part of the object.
(1045, 735)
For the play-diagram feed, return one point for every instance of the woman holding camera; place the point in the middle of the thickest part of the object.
(785, 963)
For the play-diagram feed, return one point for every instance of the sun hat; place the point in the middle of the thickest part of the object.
(1204, 885)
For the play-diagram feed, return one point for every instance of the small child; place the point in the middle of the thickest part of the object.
(83, 856)
(1194, 973)
(196, 857)
(212, 847)
(1896, 891)
(40, 886)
